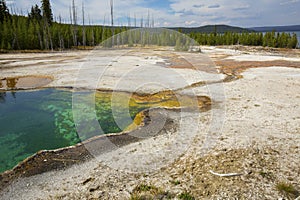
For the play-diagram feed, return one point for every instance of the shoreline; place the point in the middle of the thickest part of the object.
(36, 163)
(51, 160)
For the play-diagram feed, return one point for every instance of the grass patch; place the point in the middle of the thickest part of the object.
(267, 175)
(147, 192)
(145, 188)
(186, 196)
(176, 182)
(287, 189)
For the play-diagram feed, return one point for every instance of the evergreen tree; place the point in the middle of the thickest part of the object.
(293, 42)
(4, 12)
(47, 12)
(35, 13)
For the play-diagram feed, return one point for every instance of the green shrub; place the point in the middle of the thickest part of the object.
(287, 189)
(186, 196)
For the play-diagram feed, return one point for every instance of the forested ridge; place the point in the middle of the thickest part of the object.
(212, 28)
(289, 28)
(38, 31)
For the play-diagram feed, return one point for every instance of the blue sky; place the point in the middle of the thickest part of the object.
(191, 13)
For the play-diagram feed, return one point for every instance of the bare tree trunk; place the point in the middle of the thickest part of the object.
(74, 13)
(40, 39)
(60, 38)
(72, 28)
(15, 41)
(93, 38)
(103, 29)
(142, 21)
(71, 18)
(148, 20)
(92, 34)
(50, 38)
(46, 41)
(129, 20)
(142, 24)
(61, 43)
(112, 20)
(152, 21)
(74, 16)
(135, 39)
(83, 27)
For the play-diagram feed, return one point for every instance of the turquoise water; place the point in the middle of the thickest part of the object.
(36, 120)
(31, 121)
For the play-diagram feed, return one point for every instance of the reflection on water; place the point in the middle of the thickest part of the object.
(25, 82)
(3, 96)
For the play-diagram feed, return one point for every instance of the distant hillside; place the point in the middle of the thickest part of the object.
(277, 28)
(212, 29)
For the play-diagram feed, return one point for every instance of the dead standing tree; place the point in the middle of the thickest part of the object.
(73, 18)
(47, 19)
(112, 20)
(83, 27)
(61, 39)
(103, 30)
(92, 36)
(135, 26)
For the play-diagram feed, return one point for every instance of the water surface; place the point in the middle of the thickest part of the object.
(36, 120)
(31, 121)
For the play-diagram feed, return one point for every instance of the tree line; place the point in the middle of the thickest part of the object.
(269, 39)
(38, 31)
(19, 33)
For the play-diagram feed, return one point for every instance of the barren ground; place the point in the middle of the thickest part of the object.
(252, 128)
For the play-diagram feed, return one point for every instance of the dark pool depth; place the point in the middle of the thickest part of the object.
(31, 121)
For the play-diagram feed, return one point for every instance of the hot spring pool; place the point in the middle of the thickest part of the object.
(36, 120)
(31, 121)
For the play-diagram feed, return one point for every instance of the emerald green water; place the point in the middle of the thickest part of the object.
(31, 121)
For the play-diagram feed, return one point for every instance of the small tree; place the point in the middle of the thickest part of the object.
(36, 13)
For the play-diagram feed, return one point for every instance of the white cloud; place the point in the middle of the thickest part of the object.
(166, 23)
(289, 2)
(244, 13)
(189, 23)
(10, 2)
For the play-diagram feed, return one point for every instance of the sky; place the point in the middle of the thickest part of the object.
(176, 13)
